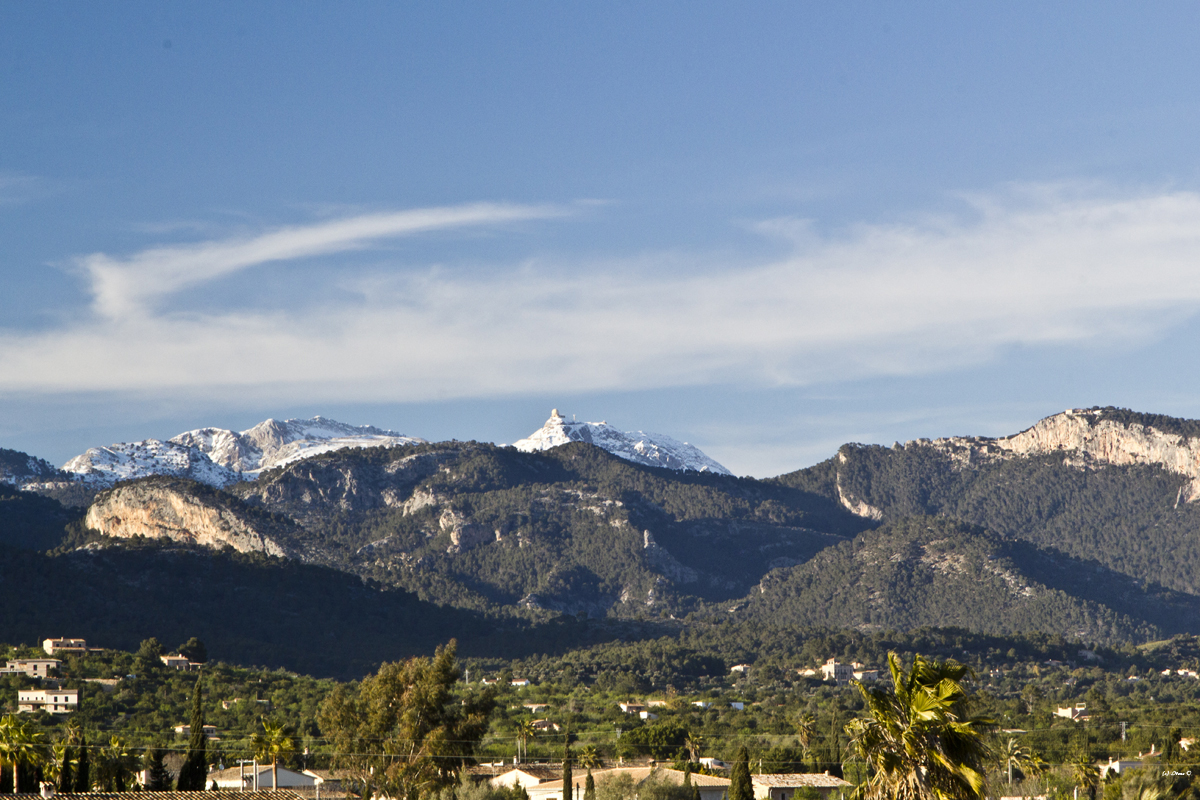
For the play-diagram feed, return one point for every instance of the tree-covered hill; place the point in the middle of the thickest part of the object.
(926, 571)
(573, 530)
(1131, 519)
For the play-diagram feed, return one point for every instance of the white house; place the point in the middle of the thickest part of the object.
(33, 667)
(1118, 766)
(784, 786)
(186, 730)
(710, 786)
(519, 682)
(52, 646)
(177, 661)
(632, 708)
(834, 670)
(647, 715)
(242, 778)
(1075, 713)
(738, 705)
(740, 668)
(527, 776)
(52, 701)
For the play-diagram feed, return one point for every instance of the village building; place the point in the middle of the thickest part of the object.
(33, 667)
(52, 701)
(784, 786)
(711, 787)
(52, 646)
(527, 776)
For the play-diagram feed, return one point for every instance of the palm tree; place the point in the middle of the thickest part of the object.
(806, 730)
(692, 742)
(20, 744)
(116, 766)
(589, 758)
(1085, 773)
(525, 732)
(1013, 756)
(273, 743)
(919, 741)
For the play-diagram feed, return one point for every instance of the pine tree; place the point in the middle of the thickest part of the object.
(158, 777)
(740, 787)
(193, 772)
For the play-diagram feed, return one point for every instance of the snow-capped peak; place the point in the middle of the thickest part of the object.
(640, 447)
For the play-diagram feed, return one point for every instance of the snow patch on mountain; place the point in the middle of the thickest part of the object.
(640, 447)
(220, 457)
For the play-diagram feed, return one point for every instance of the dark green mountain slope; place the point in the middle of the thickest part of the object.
(1128, 518)
(248, 609)
(574, 529)
(927, 572)
(30, 521)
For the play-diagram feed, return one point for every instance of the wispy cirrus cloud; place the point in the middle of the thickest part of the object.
(123, 286)
(1033, 269)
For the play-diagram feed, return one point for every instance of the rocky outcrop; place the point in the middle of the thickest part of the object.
(174, 511)
(464, 534)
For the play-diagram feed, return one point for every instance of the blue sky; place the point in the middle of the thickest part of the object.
(766, 230)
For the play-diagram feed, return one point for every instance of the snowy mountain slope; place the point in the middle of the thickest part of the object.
(104, 466)
(220, 457)
(640, 447)
(273, 443)
(17, 468)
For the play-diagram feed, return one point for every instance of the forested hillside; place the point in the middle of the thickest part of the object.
(926, 571)
(1128, 518)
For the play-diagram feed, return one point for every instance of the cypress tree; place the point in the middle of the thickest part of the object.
(740, 787)
(66, 777)
(589, 787)
(83, 775)
(567, 768)
(193, 772)
(687, 775)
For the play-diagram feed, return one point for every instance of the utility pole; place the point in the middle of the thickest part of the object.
(1122, 731)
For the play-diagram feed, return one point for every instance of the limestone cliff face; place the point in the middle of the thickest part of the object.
(1090, 437)
(165, 511)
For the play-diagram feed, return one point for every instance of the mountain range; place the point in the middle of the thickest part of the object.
(1083, 526)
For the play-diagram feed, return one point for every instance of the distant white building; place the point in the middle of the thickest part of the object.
(179, 662)
(52, 701)
(740, 668)
(33, 667)
(247, 778)
(1075, 713)
(647, 715)
(834, 670)
(738, 705)
(52, 646)
(784, 786)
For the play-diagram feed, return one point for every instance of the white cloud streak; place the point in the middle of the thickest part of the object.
(880, 300)
(123, 286)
